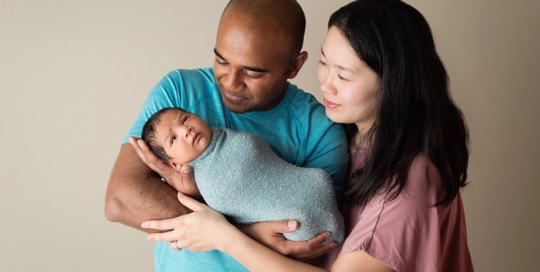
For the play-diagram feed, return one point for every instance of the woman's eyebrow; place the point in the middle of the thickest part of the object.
(339, 66)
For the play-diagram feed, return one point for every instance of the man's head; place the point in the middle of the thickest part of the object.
(258, 48)
(176, 136)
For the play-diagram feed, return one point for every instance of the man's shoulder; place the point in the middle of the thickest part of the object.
(186, 88)
(305, 106)
(191, 75)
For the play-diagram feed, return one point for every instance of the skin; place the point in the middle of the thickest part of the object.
(183, 136)
(350, 89)
(250, 71)
(135, 192)
(349, 86)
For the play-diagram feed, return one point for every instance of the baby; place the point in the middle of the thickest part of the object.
(239, 175)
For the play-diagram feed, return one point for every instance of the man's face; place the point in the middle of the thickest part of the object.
(249, 65)
(183, 136)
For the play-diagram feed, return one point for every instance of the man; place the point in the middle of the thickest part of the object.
(258, 48)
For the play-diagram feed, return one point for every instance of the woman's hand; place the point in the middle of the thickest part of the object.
(183, 180)
(202, 230)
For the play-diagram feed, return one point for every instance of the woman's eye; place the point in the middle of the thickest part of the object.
(342, 78)
(185, 120)
(322, 63)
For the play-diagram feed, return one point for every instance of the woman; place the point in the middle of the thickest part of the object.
(381, 76)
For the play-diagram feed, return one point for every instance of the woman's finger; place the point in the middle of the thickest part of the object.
(165, 224)
(163, 236)
(190, 203)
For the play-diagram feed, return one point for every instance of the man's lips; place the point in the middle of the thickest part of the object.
(232, 97)
(329, 104)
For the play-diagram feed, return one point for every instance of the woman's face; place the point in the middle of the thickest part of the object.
(349, 86)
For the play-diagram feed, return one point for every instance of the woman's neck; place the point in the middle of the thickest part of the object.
(361, 138)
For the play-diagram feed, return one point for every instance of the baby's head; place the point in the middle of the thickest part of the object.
(176, 136)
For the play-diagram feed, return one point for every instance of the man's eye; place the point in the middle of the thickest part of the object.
(252, 74)
(173, 139)
(221, 62)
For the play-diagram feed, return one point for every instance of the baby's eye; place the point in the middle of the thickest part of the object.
(185, 120)
(173, 139)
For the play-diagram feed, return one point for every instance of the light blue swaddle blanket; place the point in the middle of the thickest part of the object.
(241, 177)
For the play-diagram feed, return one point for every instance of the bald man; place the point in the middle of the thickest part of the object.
(258, 49)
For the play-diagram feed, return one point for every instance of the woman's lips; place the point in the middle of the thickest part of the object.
(329, 104)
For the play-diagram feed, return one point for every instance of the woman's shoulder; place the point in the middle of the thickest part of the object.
(424, 180)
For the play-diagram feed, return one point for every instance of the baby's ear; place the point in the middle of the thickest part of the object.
(175, 166)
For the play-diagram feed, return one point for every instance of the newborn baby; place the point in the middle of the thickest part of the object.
(239, 175)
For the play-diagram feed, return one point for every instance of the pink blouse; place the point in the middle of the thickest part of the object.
(409, 233)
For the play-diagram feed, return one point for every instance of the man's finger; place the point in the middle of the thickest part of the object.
(283, 226)
(148, 157)
(187, 174)
(319, 239)
(135, 143)
(311, 248)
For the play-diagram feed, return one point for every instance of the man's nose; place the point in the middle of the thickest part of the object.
(233, 81)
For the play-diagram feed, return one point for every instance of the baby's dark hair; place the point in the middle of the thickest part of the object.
(149, 134)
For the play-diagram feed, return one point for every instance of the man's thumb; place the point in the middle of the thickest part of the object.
(287, 226)
(185, 169)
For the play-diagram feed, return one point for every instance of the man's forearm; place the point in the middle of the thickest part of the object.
(136, 193)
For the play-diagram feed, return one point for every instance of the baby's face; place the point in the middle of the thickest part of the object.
(183, 136)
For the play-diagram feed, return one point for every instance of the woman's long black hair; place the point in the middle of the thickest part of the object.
(415, 112)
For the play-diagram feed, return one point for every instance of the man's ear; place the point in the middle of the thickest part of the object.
(297, 64)
(175, 166)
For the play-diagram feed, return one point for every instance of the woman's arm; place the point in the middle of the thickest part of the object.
(206, 229)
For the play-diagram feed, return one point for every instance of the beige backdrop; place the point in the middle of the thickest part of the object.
(74, 74)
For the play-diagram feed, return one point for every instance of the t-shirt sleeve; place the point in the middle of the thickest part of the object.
(327, 148)
(331, 155)
(179, 88)
(160, 97)
(402, 233)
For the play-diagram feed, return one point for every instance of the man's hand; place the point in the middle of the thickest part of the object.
(270, 235)
(183, 180)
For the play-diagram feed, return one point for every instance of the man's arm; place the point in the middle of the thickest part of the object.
(136, 193)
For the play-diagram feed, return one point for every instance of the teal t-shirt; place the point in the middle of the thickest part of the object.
(297, 130)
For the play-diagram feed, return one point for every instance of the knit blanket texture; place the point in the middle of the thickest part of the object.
(241, 177)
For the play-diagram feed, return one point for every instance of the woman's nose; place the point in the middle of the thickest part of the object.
(326, 85)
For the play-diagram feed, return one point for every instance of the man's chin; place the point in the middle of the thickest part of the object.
(234, 107)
